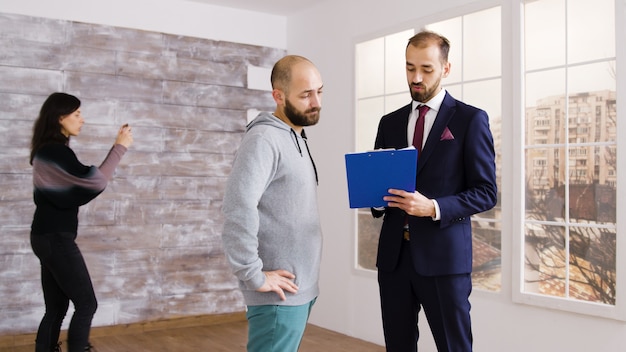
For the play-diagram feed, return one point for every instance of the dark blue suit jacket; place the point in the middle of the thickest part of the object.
(457, 169)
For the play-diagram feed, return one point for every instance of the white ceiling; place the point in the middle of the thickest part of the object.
(275, 7)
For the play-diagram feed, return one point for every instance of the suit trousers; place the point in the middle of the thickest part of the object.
(445, 300)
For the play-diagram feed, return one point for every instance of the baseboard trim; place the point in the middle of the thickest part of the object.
(135, 328)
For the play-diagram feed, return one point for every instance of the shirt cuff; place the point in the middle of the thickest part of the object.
(437, 216)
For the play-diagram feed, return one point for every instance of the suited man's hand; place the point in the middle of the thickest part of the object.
(413, 203)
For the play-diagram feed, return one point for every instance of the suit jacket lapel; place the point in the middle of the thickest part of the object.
(405, 113)
(446, 111)
(400, 125)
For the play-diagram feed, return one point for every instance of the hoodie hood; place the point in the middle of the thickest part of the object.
(268, 119)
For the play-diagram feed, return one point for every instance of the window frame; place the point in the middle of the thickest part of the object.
(512, 149)
(417, 24)
(617, 311)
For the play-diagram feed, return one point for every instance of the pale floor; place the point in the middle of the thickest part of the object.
(224, 337)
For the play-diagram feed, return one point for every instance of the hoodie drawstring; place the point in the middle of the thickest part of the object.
(303, 135)
(295, 141)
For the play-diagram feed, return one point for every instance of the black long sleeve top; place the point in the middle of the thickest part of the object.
(62, 184)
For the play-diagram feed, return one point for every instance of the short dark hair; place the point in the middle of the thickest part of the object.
(426, 37)
(47, 128)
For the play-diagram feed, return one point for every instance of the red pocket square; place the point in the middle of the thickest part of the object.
(446, 135)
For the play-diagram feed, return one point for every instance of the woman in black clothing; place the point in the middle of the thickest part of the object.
(62, 184)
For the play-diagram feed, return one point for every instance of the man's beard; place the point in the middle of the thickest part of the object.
(307, 118)
(427, 94)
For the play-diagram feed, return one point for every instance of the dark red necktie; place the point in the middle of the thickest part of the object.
(418, 136)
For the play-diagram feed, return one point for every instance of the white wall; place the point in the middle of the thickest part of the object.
(168, 16)
(327, 34)
(349, 300)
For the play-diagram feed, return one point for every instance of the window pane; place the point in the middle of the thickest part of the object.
(455, 90)
(580, 175)
(545, 88)
(544, 35)
(592, 264)
(368, 112)
(545, 197)
(592, 78)
(482, 46)
(592, 190)
(570, 151)
(370, 68)
(544, 258)
(605, 171)
(591, 30)
(369, 230)
(542, 123)
(486, 95)
(545, 107)
(486, 244)
(395, 62)
(453, 30)
(396, 101)
(592, 108)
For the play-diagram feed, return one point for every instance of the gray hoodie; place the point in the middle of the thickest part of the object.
(271, 214)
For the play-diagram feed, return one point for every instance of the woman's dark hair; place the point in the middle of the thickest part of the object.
(47, 128)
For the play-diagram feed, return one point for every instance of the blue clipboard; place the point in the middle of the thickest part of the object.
(371, 174)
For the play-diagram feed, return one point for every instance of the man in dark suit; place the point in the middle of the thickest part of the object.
(425, 246)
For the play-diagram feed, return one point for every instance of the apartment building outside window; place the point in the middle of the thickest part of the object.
(569, 243)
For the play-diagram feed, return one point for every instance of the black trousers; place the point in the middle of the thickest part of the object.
(445, 300)
(64, 278)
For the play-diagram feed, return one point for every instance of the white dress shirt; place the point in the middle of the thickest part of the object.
(434, 105)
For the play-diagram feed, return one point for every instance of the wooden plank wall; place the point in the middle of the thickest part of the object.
(152, 239)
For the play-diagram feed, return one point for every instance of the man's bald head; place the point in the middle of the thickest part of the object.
(281, 73)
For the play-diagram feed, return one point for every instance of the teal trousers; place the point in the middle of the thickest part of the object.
(277, 328)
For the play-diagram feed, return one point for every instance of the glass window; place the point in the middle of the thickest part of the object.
(380, 65)
(475, 78)
(570, 150)
(476, 55)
